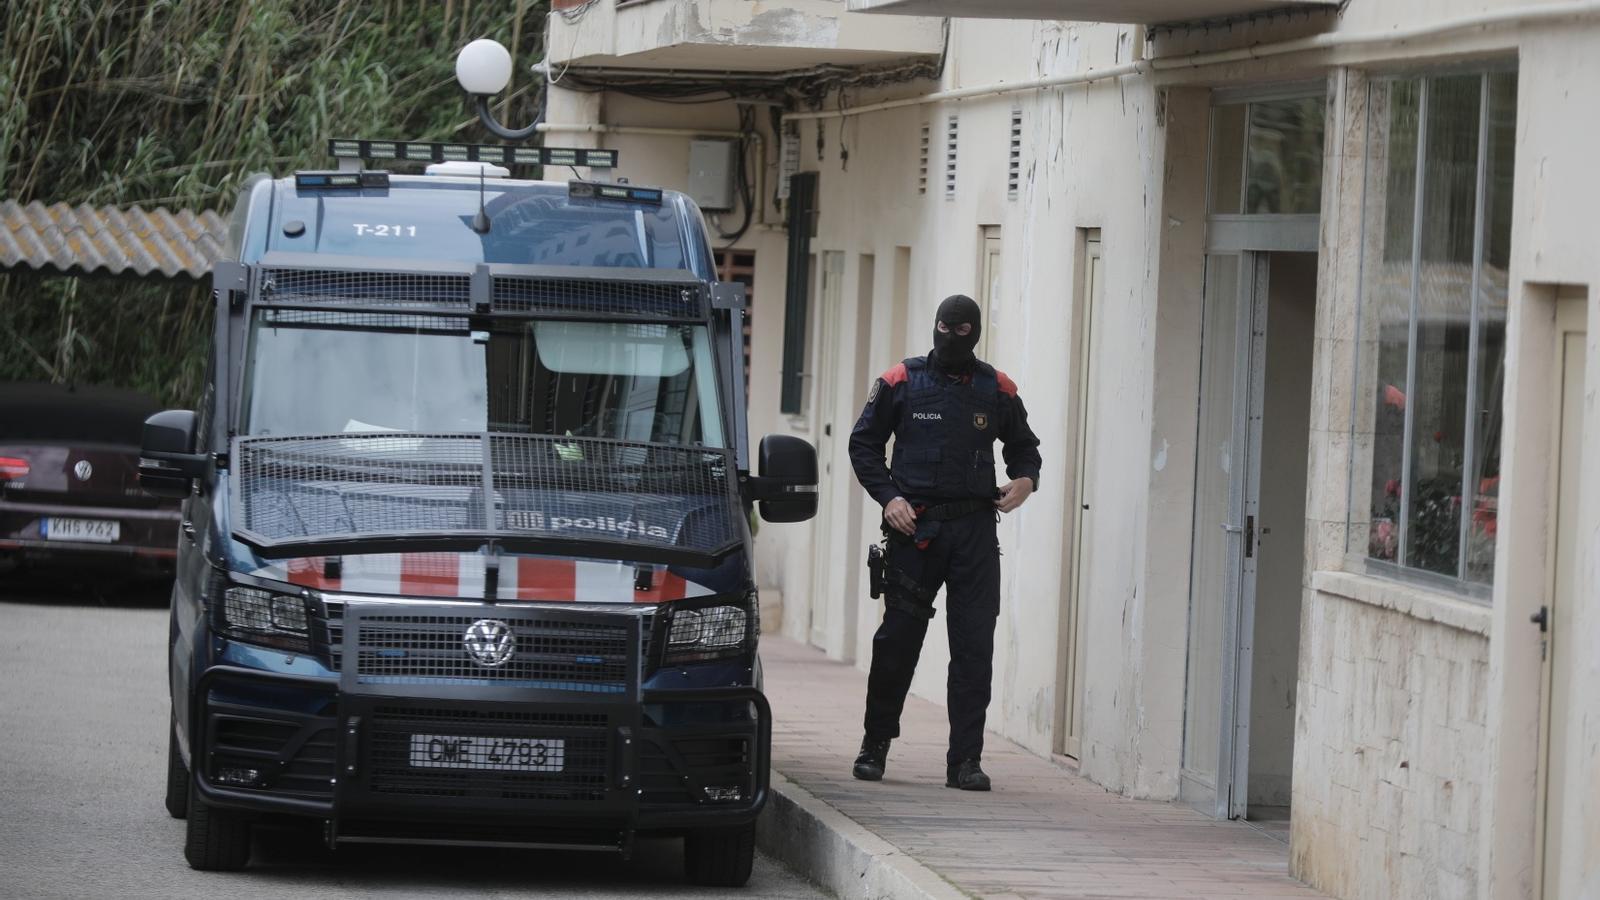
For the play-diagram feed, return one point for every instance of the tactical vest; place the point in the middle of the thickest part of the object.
(944, 442)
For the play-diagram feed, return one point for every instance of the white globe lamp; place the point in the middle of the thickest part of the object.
(483, 67)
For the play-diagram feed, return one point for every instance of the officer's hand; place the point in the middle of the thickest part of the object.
(1012, 495)
(900, 515)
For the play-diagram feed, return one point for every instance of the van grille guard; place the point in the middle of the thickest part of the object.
(391, 491)
(316, 281)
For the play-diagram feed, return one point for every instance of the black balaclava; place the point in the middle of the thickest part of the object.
(953, 352)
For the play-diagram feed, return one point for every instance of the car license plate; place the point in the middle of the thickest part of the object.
(444, 751)
(94, 531)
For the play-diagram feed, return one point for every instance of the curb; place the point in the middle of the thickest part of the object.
(838, 853)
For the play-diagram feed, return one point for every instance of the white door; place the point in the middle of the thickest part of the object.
(1560, 658)
(989, 289)
(829, 440)
(1084, 419)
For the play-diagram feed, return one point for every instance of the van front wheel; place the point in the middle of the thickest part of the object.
(720, 857)
(177, 776)
(217, 840)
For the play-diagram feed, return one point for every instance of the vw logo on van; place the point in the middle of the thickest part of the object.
(83, 470)
(490, 642)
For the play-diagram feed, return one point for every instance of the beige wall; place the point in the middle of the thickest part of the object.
(1415, 732)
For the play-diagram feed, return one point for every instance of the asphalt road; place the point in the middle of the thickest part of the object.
(82, 748)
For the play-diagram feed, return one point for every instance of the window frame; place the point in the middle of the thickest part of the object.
(1360, 560)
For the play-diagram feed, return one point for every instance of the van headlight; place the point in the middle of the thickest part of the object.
(711, 631)
(259, 616)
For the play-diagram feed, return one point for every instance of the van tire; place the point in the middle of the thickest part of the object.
(719, 857)
(217, 840)
(177, 776)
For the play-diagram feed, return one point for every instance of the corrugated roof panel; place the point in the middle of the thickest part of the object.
(87, 240)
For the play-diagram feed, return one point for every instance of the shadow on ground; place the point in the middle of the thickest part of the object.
(73, 586)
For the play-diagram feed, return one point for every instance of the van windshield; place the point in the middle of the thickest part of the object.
(532, 224)
(318, 373)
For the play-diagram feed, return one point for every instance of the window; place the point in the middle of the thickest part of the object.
(1431, 350)
(1266, 157)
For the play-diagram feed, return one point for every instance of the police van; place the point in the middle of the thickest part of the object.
(466, 551)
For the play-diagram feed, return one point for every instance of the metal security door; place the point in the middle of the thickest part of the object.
(1227, 508)
(1236, 746)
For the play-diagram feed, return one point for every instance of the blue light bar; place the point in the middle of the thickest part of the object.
(324, 181)
(452, 151)
(595, 190)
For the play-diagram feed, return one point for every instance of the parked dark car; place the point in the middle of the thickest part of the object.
(69, 483)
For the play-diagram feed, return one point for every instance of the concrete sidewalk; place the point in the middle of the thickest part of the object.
(1043, 832)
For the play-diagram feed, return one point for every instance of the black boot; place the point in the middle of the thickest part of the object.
(872, 760)
(968, 776)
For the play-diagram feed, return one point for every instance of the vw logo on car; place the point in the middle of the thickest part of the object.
(490, 643)
(83, 470)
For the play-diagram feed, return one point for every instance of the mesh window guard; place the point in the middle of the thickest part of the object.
(657, 501)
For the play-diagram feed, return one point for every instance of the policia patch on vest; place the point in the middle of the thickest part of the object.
(980, 421)
(872, 395)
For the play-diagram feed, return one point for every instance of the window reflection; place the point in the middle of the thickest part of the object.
(1432, 343)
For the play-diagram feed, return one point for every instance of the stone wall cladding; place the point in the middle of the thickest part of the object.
(1388, 737)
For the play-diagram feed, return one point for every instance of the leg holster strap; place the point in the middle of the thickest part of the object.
(910, 608)
(906, 595)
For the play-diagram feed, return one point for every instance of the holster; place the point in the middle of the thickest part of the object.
(899, 590)
(875, 580)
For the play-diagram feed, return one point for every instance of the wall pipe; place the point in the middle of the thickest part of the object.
(1517, 16)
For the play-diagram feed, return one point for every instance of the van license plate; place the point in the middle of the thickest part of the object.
(94, 531)
(444, 751)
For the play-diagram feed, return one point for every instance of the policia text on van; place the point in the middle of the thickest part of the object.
(465, 552)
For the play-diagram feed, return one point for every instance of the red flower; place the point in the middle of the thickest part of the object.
(1392, 487)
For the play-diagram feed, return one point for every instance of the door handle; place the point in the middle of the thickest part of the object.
(1232, 529)
(1541, 619)
(188, 529)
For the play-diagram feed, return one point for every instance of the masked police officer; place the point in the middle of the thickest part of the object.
(940, 508)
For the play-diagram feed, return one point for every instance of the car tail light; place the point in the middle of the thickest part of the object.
(12, 468)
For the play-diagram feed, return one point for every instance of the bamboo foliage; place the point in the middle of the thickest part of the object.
(173, 103)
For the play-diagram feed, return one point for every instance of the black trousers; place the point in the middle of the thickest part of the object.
(964, 558)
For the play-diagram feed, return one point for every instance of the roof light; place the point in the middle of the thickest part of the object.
(483, 67)
(450, 151)
(593, 190)
(314, 181)
(473, 169)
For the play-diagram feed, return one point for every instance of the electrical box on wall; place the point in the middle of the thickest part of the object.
(711, 170)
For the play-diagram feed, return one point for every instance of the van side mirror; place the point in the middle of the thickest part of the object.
(168, 464)
(786, 485)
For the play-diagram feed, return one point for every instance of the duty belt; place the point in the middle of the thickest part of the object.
(955, 509)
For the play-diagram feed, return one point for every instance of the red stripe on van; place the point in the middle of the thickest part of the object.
(430, 574)
(547, 579)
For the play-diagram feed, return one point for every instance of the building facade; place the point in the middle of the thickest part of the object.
(1298, 296)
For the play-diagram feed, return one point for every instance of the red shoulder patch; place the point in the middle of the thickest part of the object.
(895, 376)
(1007, 386)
